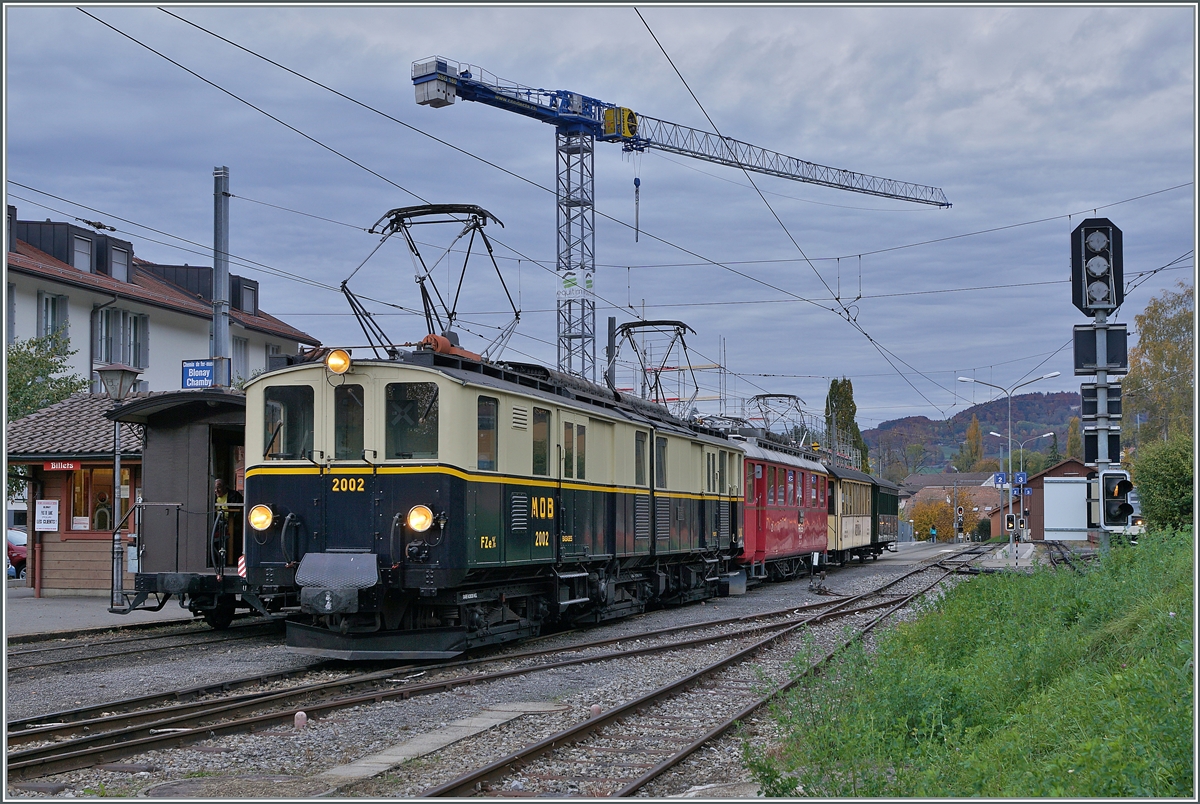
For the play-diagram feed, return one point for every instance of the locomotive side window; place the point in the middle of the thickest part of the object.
(488, 409)
(660, 463)
(541, 442)
(721, 487)
(411, 420)
(287, 422)
(770, 485)
(568, 449)
(580, 451)
(791, 488)
(347, 422)
(639, 459)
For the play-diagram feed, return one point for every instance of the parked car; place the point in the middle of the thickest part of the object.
(17, 550)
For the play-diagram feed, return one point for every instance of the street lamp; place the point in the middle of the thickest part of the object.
(118, 380)
(1021, 444)
(1008, 392)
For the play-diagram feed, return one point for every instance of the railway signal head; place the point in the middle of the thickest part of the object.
(1097, 270)
(1010, 522)
(1115, 506)
(1021, 523)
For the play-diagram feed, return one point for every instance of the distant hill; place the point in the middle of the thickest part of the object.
(1032, 414)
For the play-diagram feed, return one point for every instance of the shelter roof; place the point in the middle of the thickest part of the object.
(74, 428)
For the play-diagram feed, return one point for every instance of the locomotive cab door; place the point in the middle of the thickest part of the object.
(575, 515)
(348, 488)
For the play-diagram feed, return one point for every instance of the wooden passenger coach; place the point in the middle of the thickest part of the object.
(785, 510)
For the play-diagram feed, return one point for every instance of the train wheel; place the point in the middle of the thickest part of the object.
(220, 617)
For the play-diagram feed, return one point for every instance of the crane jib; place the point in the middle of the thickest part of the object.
(611, 123)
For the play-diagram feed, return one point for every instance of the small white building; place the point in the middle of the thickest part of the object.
(116, 308)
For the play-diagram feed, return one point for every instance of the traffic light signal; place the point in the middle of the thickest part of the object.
(1010, 522)
(1115, 507)
(1021, 523)
(1097, 270)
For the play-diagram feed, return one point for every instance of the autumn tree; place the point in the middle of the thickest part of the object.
(927, 514)
(1160, 386)
(971, 451)
(840, 413)
(1074, 439)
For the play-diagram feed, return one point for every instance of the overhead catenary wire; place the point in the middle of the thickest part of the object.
(402, 310)
(879, 347)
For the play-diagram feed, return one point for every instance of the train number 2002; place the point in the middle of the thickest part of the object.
(347, 484)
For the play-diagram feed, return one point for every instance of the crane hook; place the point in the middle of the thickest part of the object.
(637, 204)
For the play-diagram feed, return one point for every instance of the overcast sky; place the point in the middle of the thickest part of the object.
(1030, 119)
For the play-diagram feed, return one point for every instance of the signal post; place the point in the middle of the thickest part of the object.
(1101, 349)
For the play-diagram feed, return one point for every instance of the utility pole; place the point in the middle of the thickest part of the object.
(221, 349)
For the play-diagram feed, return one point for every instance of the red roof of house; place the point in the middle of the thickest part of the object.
(145, 288)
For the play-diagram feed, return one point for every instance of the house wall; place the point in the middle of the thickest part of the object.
(173, 336)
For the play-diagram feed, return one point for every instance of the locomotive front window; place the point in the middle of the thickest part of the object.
(287, 422)
(347, 422)
(411, 417)
(488, 408)
(541, 442)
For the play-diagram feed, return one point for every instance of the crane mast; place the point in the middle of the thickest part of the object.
(579, 122)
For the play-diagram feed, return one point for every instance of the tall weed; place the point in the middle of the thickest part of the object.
(1011, 685)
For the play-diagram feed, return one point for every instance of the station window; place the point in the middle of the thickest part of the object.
(639, 459)
(541, 442)
(411, 420)
(92, 497)
(287, 422)
(488, 410)
(660, 463)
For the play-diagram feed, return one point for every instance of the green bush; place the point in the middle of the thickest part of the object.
(1012, 685)
(1162, 474)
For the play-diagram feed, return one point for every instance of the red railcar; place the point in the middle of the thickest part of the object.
(785, 511)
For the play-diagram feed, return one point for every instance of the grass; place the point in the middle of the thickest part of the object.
(1011, 685)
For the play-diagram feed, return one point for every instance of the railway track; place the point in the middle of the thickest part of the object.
(620, 751)
(92, 735)
(70, 650)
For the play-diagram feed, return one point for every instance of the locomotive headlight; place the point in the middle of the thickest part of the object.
(420, 518)
(338, 361)
(260, 517)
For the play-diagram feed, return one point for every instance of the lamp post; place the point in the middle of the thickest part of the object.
(1009, 392)
(118, 380)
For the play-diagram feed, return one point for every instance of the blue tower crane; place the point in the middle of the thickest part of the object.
(580, 121)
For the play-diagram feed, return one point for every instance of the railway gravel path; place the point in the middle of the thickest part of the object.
(285, 761)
